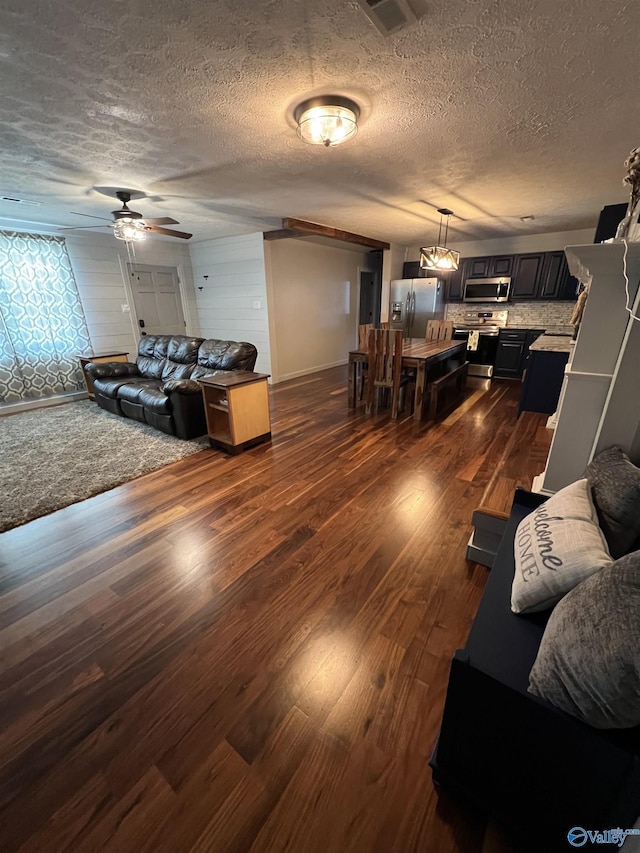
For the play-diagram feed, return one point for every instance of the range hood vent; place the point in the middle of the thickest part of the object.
(388, 16)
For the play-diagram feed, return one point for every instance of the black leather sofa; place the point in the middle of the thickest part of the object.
(536, 769)
(160, 388)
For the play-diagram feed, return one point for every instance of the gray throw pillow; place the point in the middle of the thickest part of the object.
(588, 662)
(615, 485)
(556, 547)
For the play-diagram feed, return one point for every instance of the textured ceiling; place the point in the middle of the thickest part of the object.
(496, 109)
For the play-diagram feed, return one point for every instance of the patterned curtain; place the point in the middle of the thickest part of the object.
(42, 323)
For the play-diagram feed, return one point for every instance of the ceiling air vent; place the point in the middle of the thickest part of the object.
(20, 200)
(388, 16)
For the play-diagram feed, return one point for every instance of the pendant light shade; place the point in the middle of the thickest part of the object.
(439, 257)
(328, 120)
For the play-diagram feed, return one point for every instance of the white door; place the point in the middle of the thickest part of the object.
(157, 300)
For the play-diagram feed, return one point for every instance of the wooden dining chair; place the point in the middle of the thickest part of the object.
(439, 330)
(363, 367)
(363, 335)
(385, 368)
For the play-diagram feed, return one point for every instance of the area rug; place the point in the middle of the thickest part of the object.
(53, 457)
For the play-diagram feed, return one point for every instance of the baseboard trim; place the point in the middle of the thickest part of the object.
(309, 370)
(42, 403)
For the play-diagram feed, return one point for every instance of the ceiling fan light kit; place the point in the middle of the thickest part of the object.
(129, 229)
(327, 120)
(439, 257)
(131, 226)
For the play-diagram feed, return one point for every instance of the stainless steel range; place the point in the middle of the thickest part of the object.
(481, 329)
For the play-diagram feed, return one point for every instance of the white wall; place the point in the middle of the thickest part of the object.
(99, 263)
(515, 245)
(228, 303)
(313, 305)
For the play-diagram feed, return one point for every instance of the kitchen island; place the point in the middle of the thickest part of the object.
(544, 372)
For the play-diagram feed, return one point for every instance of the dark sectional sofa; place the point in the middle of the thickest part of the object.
(160, 388)
(521, 759)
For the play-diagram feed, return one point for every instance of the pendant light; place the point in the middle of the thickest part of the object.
(328, 120)
(439, 257)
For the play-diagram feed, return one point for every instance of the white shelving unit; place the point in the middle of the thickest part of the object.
(600, 401)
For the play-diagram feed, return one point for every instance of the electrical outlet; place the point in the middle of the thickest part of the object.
(257, 304)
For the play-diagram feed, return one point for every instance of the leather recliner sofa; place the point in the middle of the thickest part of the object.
(160, 388)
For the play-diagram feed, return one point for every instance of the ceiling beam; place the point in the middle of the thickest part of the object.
(280, 234)
(299, 228)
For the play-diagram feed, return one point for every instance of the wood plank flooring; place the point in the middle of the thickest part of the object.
(251, 653)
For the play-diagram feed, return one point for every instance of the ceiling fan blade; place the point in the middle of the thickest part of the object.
(90, 215)
(162, 220)
(153, 229)
(82, 227)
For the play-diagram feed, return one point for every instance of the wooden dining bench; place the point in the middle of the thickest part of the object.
(449, 387)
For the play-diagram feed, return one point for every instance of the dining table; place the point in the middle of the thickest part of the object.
(417, 353)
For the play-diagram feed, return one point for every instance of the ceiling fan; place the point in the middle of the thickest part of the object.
(130, 225)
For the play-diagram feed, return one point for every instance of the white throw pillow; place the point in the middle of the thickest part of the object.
(555, 547)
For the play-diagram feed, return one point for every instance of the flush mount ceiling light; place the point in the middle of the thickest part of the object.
(327, 120)
(439, 257)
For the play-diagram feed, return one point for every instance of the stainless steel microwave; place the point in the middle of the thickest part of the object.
(487, 289)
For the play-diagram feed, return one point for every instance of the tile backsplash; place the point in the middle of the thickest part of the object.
(522, 315)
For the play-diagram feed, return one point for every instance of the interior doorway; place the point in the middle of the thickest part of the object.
(370, 297)
(157, 299)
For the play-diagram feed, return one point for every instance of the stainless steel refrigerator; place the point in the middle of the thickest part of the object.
(413, 301)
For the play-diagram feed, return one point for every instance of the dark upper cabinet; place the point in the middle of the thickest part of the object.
(478, 267)
(489, 267)
(527, 273)
(411, 269)
(568, 287)
(537, 275)
(556, 282)
(555, 266)
(502, 265)
(455, 281)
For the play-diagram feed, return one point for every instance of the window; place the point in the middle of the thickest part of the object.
(42, 323)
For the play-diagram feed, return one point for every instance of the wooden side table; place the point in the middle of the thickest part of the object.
(237, 409)
(99, 356)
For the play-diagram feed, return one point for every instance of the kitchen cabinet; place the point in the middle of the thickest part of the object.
(542, 381)
(502, 265)
(510, 353)
(557, 282)
(527, 273)
(489, 267)
(513, 349)
(455, 281)
(412, 269)
(568, 289)
(534, 276)
(551, 277)
(478, 267)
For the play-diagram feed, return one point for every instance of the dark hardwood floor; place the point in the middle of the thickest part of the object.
(251, 653)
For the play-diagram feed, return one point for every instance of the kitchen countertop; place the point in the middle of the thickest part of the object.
(552, 343)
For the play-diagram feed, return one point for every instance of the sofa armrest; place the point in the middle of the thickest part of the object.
(181, 386)
(107, 369)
